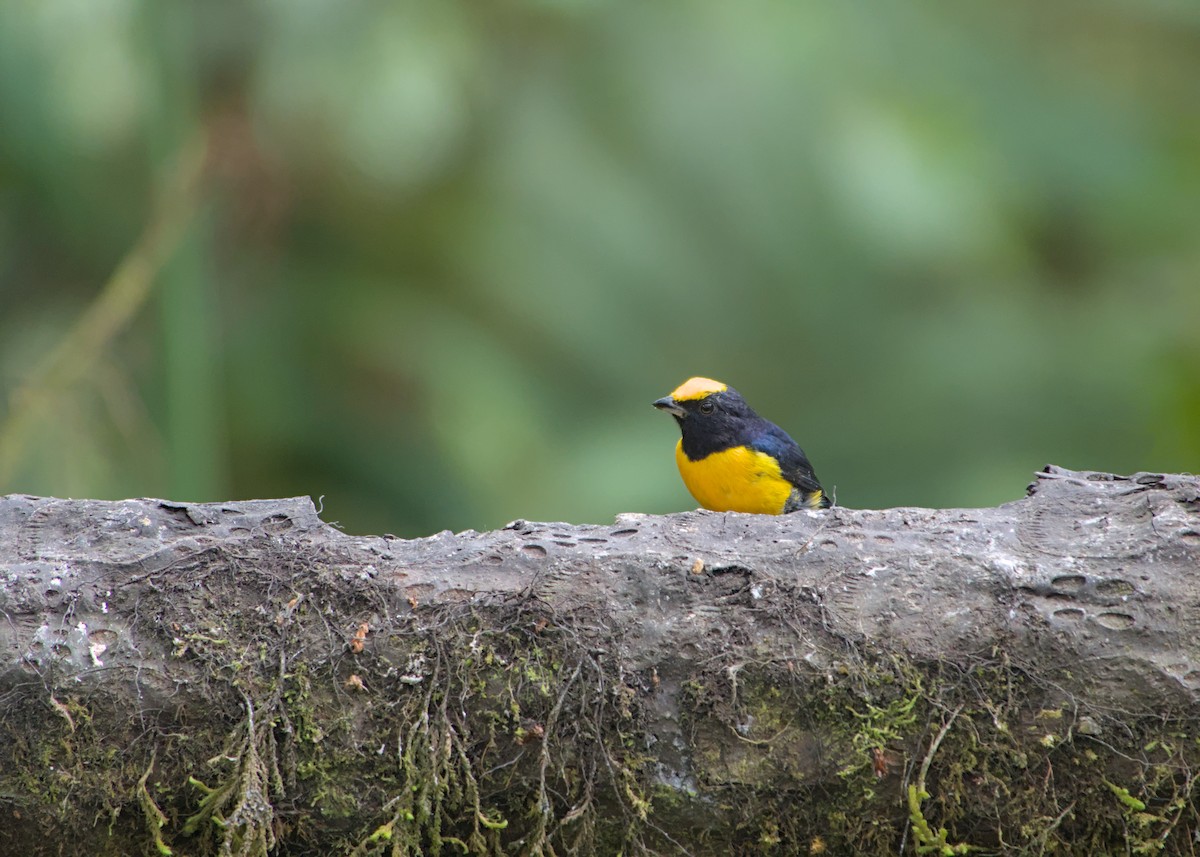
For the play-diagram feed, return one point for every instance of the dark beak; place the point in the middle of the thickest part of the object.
(666, 403)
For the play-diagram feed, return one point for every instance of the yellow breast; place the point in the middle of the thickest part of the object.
(735, 480)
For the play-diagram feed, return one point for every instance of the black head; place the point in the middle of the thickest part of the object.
(710, 414)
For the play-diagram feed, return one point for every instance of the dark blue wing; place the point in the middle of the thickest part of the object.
(793, 463)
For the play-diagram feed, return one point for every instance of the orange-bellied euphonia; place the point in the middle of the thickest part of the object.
(732, 460)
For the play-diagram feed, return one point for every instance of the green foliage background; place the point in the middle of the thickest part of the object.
(445, 254)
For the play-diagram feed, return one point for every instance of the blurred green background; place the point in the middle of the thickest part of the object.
(440, 257)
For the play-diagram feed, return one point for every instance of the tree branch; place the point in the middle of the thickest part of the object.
(691, 683)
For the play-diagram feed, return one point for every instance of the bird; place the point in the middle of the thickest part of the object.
(733, 460)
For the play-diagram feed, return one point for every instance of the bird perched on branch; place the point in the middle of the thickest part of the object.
(732, 460)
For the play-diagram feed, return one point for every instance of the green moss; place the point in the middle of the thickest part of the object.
(492, 732)
(871, 753)
(1125, 797)
(155, 819)
(927, 840)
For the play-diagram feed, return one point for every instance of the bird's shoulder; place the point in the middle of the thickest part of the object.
(793, 463)
(767, 437)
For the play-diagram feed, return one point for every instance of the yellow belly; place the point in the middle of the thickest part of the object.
(735, 480)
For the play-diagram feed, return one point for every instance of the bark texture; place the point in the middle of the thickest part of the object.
(241, 678)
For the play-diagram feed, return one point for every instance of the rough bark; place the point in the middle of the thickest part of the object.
(241, 678)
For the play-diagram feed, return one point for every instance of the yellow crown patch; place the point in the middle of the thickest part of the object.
(697, 388)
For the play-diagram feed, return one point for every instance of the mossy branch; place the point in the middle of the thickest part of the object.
(797, 685)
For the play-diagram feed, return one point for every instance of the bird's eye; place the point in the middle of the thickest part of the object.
(707, 407)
